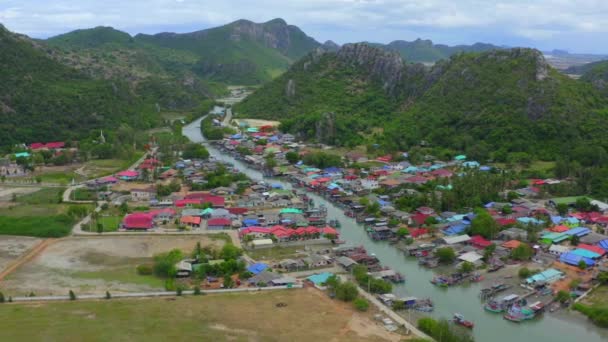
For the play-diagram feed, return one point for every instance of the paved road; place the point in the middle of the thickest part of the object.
(393, 315)
(227, 117)
(152, 294)
(68, 192)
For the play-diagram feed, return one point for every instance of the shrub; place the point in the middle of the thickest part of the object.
(72, 295)
(1, 297)
(346, 291)
(361, 304)
(597, 314)
(197, 290)
(108, 295)
(144, 270)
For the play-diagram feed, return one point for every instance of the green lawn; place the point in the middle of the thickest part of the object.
(110, 223)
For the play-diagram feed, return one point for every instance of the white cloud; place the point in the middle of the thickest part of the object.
(536, 21)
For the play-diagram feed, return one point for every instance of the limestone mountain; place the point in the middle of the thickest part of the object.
(491, 104)
(242, 52)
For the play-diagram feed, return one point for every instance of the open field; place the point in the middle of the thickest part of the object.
(41, 196)
(257, 122)
(96, 265)
(309, 315)
(276, 253)
(110, 223)
(6, 193)
(599, 296)
(12, 247)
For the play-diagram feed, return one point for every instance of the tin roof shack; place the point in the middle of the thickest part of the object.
(547, 276)
(346, 262)
(472, 257)
(456, 240)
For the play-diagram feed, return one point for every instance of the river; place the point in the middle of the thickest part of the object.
(562, 327)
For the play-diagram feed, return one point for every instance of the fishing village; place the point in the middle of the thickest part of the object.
(261, 210)
(529, 254)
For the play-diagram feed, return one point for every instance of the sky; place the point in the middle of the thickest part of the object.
(574, 25)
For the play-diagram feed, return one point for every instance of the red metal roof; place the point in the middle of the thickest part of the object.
(218, 222)
(479, 241)
(237, 211)
(138, 221)
(591, 248)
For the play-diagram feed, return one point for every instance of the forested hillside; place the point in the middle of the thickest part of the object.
(425, 51)
(500, 105)
(241, 52)
(44, 100)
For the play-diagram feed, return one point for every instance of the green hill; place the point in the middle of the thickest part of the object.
(158, 74)
(43, 100)
(595, 73)
(91, 38)
(241, 52)
(425, 51)
(495, 104)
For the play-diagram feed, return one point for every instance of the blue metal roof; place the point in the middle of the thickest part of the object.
(320, 278)
(455, 229)
(573, 259)
(578, 231)
(257, 268)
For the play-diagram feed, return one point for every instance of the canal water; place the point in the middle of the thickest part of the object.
(463, 299)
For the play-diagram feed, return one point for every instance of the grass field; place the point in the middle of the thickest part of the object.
(38, 226)
(110, 223)
(307, 316)
(83, 195)
(127, 275)
(42, 196)
(63, 178)
(274, 253)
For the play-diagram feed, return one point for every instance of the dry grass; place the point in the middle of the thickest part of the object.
(307, 316)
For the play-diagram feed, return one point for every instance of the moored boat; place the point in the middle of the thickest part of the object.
(459, 319)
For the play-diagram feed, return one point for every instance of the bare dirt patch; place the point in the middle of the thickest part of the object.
(6, 193)
(96, 265)
(12, 247)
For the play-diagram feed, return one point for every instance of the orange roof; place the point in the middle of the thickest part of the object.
(511, 244)
(191, 220)
(559, 229)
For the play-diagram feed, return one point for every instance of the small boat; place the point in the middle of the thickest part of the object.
(334, 223)
(459, 319)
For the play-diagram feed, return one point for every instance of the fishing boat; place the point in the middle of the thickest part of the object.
(424, 305)
(501, 305)
(476, 277)
(441, 281)
(459, 319)
(334, 223)
(519, 312)
(494, 289)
